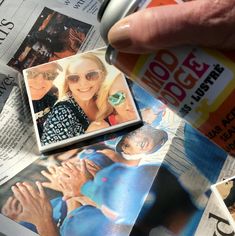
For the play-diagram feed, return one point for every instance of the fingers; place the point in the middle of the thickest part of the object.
(189, 23)
(30, 190)
(24, 192)
(91, 167)
(40, 189)
(19, 194)
(67, 191)
(84, 170)
(65, 172)
(46, 185)
(71, 166)
(51, 171)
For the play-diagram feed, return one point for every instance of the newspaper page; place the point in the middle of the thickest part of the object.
(17, 139)
(90, 6)
(8, 79)
(48, 31)
(214, 220)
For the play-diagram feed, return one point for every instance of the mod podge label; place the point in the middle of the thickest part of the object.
(197, 84)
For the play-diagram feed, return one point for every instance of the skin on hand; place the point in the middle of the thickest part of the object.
(35, 205)
(12, 209)
(72, 178)
(207, 23)
(52, 176)
(36, 208)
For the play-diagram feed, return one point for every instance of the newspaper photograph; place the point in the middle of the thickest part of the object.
(118, 160)
(48, 31)
(75, 185)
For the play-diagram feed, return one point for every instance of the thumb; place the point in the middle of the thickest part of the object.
(202, 22)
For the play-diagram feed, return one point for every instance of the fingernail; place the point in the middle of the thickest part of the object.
(119, 35)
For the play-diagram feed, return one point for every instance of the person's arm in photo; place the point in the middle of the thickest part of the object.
(36, 208)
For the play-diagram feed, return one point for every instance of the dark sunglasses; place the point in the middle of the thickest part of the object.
(47, 75)
(90, 76)
(117, 98)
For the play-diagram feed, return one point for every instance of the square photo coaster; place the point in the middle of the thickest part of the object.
(77, 98)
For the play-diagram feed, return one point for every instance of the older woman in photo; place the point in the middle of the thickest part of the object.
(72, 115)
(43, 92)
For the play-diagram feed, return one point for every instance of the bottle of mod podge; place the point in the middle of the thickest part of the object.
(196, 83)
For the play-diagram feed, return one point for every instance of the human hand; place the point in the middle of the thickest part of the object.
(52, 176)
(12, 209)
(207, 23)
(36, 208)
(72, 178)
(91, 167)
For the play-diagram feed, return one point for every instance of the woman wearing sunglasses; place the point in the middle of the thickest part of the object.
(72, 115)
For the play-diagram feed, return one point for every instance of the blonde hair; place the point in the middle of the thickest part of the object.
(86, 56)
(104, 108)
